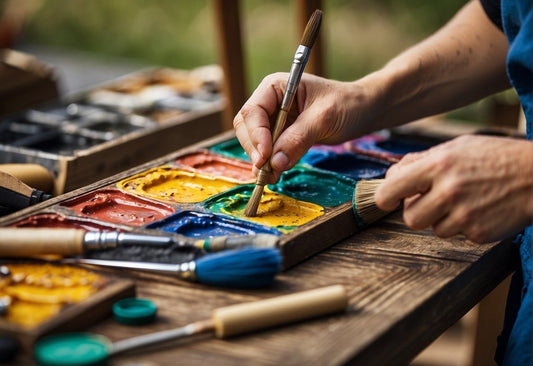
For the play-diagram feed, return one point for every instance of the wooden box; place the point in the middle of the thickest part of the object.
(115, 126)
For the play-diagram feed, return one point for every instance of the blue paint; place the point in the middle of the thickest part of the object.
(321, 187)
(202, 225)
(403, 146)
(315, 155)
(351, 165)
(398, 146)
(231, 148)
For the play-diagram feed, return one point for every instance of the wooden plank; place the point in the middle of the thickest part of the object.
(228, 21)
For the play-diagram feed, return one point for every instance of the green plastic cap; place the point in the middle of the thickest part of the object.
(72, 349)
(134, 311)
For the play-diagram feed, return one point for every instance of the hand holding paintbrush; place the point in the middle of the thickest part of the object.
(300, 59)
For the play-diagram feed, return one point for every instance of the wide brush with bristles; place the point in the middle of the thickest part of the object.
(364, 205)
(300, 59)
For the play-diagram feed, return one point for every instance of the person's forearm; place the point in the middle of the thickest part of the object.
(461, 63)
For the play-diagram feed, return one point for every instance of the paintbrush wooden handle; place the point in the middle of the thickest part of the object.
(34, 175)
(25, 242)
(242, 318)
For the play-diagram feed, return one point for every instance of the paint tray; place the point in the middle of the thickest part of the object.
(116, 125)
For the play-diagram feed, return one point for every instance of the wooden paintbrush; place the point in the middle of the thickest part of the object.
(300, 59)
(224, 322)
(364, 204)
(242, 268)
(23, 242)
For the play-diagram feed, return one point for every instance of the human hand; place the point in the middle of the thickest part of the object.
(323, 111)
(478, 186)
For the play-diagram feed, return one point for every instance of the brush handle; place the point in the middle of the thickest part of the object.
(279, 126)
(34, 175)
(23, 242)
(242, 318)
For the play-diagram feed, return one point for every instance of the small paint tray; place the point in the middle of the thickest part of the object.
(82, 138)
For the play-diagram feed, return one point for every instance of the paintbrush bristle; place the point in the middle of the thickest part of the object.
(243, 268)
(253, 204)
(311, 29)
(365, 209)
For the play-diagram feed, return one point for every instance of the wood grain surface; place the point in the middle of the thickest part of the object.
(405, 288)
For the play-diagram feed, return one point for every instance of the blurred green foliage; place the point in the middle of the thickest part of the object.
(358, 35)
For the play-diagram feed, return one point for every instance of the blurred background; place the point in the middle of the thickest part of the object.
(359, 36)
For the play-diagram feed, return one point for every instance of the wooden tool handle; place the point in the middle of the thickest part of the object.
(242, 318)
(34, 175)
(24, 242)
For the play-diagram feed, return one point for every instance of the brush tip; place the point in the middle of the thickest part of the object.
(253, 204)
(311, 29)
(364, 205)
(242, 268)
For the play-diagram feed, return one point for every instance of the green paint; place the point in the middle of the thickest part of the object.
(275, 210)
(231, 148)
(313, 185)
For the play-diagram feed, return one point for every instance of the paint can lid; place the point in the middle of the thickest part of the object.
(72, 349)
(134, 311)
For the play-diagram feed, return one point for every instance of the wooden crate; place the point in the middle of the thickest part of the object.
(109, 154)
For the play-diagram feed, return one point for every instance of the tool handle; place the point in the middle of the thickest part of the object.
(23, 242)
(242, 318)
(34, 175)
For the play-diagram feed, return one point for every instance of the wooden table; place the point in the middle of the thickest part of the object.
(405, 288)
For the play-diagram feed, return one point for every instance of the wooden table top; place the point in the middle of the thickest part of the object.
(405, 288)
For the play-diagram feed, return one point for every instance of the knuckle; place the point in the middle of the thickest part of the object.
(443, 161)
(238, 120)
(462, 216)
(442, 232)
(451, 189)
(477, 234)
(412, 220)
(244, 113)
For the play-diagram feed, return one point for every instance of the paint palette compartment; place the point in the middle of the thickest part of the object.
(115, 126)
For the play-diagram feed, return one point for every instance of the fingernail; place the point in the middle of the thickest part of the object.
(254, 157)
(280, 161)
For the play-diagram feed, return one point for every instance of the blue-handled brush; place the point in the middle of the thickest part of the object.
(243, 268)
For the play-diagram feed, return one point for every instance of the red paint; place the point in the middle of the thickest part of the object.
(112, 205)
(52, 220)
(220, 166)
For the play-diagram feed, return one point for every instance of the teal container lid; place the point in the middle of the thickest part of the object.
(72, 349)
(134, 311)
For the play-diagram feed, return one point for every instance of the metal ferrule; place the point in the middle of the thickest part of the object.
(94, 240)
(187, 270)
(298, 64)
(112, 239)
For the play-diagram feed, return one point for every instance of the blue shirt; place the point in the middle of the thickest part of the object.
(516, 342)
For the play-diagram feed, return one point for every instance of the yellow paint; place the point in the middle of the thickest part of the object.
(39, 291)
(276, 210)
(175, 185)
